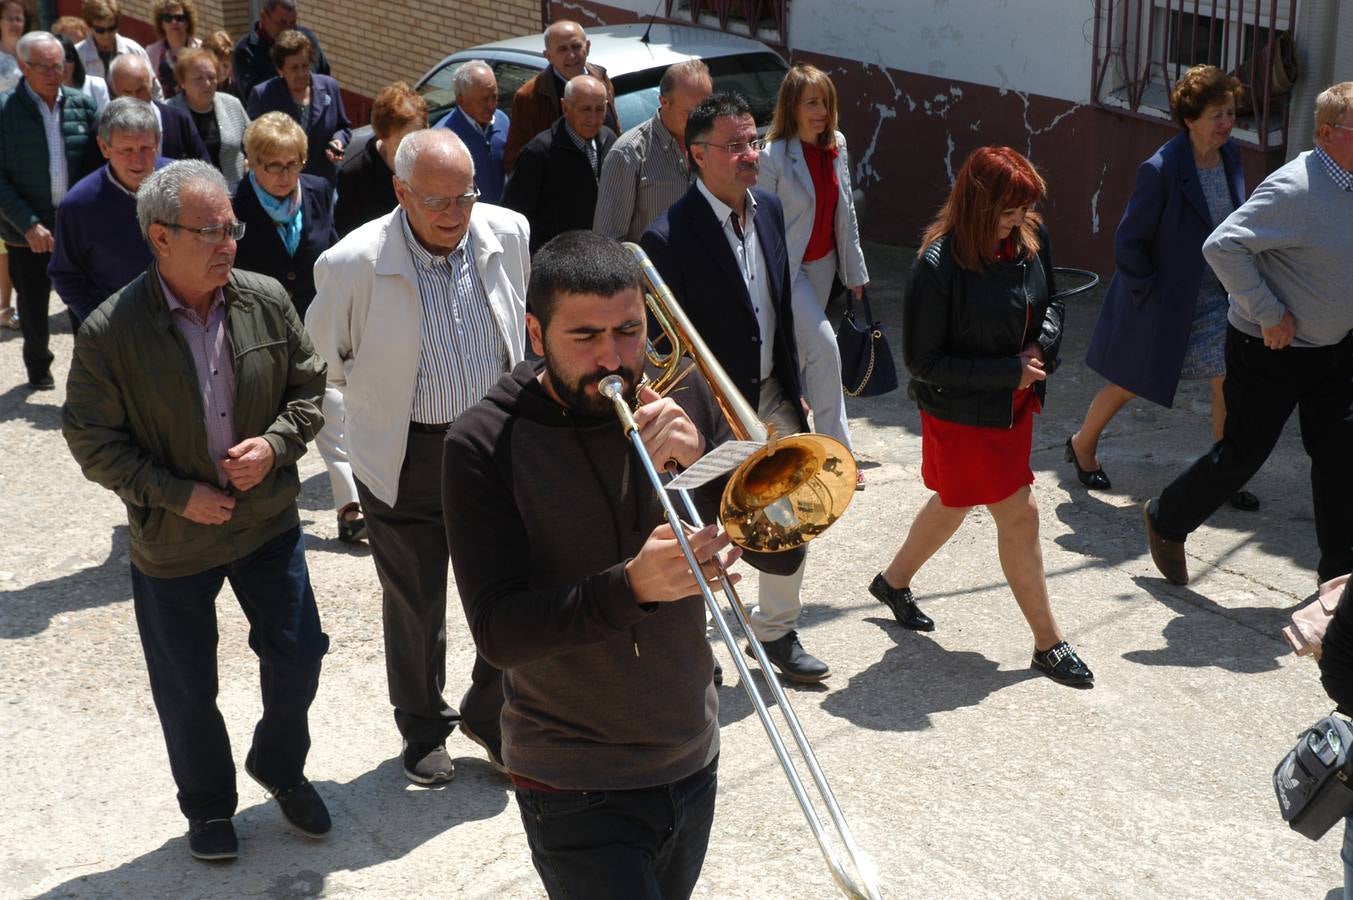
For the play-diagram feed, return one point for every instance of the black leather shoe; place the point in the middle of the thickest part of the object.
(1060, 663)
(794, 663)
(212, 839)
(1245, 501)
(45, 383)
(1096, 480)
(900, 601)
(426, 763)
(301, 805)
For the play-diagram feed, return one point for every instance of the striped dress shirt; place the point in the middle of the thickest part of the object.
(644, 173)
(214, 364)
(56, 144)
(461, 354)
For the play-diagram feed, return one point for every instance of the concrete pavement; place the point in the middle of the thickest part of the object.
(962, 772)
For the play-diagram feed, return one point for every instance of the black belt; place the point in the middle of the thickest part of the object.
(429, 428)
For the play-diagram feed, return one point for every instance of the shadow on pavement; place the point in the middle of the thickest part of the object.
(377, 817)
(916, 679)
(29, 610)
(18, 404)
(1205, 633)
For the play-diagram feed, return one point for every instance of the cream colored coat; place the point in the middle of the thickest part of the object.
(784, 172)
(367, 322)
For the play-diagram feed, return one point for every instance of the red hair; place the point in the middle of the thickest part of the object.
(992, 180)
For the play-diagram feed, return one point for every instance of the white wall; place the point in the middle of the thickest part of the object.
(1040, 47)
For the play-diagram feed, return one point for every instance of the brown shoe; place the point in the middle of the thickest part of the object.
(1167, 555)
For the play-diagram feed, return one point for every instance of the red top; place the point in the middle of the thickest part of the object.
(822, 166)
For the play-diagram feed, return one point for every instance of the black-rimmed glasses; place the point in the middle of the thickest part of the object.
(104, 29)
(212, 234)
(174, 17)
(277, 168)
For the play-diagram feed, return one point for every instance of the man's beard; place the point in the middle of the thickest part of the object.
(575, 396)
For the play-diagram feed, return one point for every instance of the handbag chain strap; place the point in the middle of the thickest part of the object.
(874, 335)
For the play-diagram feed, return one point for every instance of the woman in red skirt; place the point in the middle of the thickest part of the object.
(981, 332)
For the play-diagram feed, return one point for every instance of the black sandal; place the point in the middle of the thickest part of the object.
(1096, 480)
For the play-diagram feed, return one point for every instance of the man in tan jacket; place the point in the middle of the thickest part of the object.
(418, 313)
(536, 105)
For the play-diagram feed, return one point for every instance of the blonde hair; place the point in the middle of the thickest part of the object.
(274, 134)
(73, 27)
(1333, 104)
(798, 79)
(99, 9)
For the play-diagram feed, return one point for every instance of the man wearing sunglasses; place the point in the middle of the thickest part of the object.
(418, 313)
(192, 393)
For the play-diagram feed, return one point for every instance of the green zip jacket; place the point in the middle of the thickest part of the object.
(134, 418)
(25, 172)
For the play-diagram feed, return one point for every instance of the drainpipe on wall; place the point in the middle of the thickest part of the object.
(1324, 47)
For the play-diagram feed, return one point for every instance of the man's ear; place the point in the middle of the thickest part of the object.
(536, 332)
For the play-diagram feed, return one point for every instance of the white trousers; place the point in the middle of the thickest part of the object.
(819, 360)
(777, 602)
(334, 451)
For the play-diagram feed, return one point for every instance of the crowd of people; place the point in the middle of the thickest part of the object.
(437, 309)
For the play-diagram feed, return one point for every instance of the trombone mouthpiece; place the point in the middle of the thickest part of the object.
(612, 386)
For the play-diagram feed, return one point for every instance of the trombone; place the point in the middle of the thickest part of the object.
(782, 496)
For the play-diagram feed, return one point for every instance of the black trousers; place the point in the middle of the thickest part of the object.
(408, 544)
(621, 845)
(1262, 388)
(28, 271)
(176, 618)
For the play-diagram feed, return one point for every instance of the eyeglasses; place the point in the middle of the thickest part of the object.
(48, 68)
(737, 148)
(174, 17)
(1341, 127)
(277, 168)
(211, 234)
(104, 29)
(440, 204)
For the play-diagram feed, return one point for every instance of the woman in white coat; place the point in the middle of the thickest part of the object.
(805, 165)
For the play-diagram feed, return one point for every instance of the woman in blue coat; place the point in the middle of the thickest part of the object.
(1164, 315)
(312, 100)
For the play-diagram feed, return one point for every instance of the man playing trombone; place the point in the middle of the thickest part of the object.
(574, 586)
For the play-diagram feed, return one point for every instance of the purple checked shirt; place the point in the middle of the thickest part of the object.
(215, 367)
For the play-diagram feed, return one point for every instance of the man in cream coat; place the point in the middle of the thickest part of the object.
(418, 313)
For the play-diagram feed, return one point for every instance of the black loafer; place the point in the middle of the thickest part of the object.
(301, 805)
(1245, 501)
(1060, 663)
(903, 605)
(1096, 480)
(212, 840)
(794, 663)
(45, 383)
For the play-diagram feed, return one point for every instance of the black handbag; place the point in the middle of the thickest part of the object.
(1312, 781)
(867, 368)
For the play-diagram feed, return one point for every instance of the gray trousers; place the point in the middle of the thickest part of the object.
(819, 359)
(777, 601)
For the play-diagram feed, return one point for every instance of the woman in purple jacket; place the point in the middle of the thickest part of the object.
(1164, 315)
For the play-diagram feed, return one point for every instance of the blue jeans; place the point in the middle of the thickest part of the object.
(646, 844)
(176, 618)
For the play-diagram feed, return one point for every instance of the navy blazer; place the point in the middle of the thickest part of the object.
(261, 249)
(688, 247)
(328, 120)
(178, 135)
(1143, 328)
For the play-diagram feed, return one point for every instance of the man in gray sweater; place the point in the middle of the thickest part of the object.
(1286, 259)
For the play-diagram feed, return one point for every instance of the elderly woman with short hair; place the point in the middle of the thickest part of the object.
(105, 44)
(312, 100)
(366, 179)
(1163, 319)
(289, 216)
(176, 24)
(220, 119)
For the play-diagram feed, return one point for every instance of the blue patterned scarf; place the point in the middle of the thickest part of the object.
(285, 213)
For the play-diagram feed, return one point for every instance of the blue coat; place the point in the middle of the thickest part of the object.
(1143, 328)
(178, 135)
(327, 118)
(261, 249)
(688, 247)
(487, 153)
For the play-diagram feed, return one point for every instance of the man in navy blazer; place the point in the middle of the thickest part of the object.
(721, 250)
(479, 122)
(129, 76)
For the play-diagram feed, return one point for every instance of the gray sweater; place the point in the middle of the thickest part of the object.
(1289, 248)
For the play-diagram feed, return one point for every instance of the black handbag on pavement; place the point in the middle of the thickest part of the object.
(1312, 781)
(867, 368)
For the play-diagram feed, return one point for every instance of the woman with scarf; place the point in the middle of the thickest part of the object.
(289, 219)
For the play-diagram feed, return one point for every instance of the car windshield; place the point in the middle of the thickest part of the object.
(756, 76)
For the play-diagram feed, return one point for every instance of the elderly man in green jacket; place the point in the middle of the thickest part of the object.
(192, 393)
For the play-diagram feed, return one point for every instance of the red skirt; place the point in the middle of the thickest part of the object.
(972, 465)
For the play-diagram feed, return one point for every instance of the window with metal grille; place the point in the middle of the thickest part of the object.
(765, 20)
(1142, 46)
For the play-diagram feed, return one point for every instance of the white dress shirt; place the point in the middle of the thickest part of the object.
(747, 251)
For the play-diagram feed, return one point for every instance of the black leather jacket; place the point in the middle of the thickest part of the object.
(962, 333)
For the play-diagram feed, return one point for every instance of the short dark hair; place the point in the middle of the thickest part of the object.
(578, 262)
(289, 43)
(701, 120)
(1199, 88)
